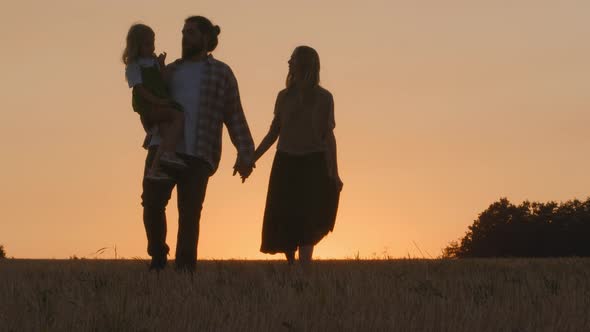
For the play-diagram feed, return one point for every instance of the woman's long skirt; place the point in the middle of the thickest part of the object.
(301, 203)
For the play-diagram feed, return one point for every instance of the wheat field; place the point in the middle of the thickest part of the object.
(353, 295)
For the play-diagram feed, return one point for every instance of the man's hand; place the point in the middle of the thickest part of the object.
(244, 169)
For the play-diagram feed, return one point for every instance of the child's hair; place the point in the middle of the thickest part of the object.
(137, 33)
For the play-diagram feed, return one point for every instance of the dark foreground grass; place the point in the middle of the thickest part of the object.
(395, 295)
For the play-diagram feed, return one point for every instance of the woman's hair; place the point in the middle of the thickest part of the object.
(136, 35)
(305, 74)
(208, 29)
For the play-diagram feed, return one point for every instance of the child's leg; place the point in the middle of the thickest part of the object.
(170, 125)
(171, 131)
(156, 163)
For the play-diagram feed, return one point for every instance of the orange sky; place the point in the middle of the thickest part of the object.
(441, 108)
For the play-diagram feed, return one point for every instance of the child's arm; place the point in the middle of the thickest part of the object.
(166, 71)
(162, 60)
(135, 81)
(166, 74)
(149, 97)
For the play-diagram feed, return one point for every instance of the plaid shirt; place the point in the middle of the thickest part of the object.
(220, 104)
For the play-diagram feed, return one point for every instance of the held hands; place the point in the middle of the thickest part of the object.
(245, 169)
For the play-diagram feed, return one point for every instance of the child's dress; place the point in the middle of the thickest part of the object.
(146, 71)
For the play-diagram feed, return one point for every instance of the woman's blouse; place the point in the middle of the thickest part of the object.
(303, 125)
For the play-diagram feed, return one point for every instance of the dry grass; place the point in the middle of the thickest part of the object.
(395, 295)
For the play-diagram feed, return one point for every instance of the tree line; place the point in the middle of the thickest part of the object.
(531, 229)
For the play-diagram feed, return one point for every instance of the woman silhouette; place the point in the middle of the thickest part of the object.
(304, 186)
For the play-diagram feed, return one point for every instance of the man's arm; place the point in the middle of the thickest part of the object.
(237, 126)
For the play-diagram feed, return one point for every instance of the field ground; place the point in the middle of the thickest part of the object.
(392, 295)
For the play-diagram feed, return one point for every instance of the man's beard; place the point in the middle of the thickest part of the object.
(190, 51)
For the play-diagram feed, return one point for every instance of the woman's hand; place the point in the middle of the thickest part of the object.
(244, 169)
(335, 177)
(338, 182)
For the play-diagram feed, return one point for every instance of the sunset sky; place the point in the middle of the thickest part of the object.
(442, 107)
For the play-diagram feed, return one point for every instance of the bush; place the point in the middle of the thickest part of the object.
(2, 252)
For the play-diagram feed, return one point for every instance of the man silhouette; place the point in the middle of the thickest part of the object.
(207, 90)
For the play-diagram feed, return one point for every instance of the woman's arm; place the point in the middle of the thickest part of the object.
(332, 155)
(332, 160)
(268, 140)
(273, 133)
